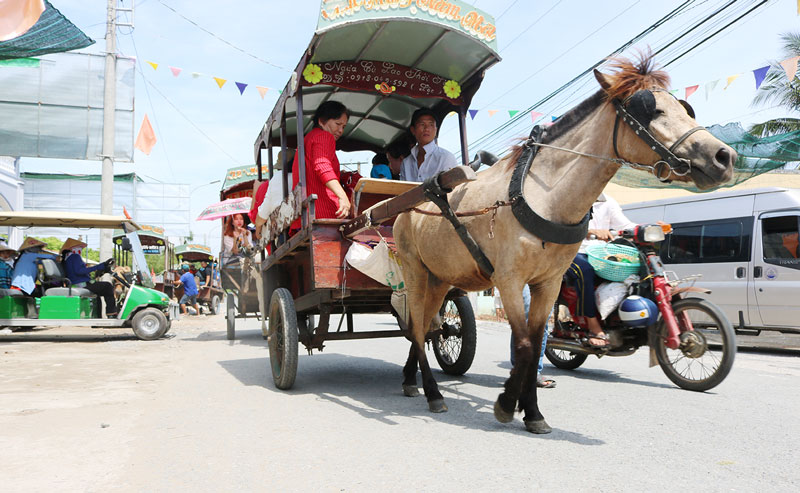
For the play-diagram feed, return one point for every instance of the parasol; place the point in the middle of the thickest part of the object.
(225, 208)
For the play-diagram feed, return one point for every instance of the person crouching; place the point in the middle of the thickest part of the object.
(189, 290)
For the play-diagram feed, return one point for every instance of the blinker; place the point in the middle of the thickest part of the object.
(642, 106)
(687, 107)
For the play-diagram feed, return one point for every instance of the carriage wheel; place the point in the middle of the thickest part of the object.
(454, 347)
(706, 354)
(215, 305)
(230, 304)
(282, 338)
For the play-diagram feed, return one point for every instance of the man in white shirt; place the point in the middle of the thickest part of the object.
(606, 215)
(426, 159)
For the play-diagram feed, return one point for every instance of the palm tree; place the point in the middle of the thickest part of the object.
(777, 89)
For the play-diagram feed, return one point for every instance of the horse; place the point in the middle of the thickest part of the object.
(575, 159)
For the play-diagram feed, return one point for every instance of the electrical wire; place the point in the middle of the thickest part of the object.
(224, 41)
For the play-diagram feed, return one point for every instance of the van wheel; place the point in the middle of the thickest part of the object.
(149, 324)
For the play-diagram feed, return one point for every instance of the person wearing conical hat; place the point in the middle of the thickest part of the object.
(79, 274)
(25, 269)
(7, 255)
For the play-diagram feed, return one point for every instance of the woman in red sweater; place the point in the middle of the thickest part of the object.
(322, 166)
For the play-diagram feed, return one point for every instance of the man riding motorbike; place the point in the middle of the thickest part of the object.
(607, 215)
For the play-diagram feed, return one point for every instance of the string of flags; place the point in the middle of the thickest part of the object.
(789, 67)
(220, 82)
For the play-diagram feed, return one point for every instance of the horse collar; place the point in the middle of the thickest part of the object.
(548, 231)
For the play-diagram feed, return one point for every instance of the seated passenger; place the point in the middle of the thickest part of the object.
(380, 167)
(235, 237)
(7, 255)
(321, 163)
(426, 159)
(396, 152)
(78, 274)
(606, 215)
(26, 269)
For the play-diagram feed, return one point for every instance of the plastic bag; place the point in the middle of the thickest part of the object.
(379, 263)
(609, 296)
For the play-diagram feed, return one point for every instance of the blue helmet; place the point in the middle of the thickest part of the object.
(637, 311)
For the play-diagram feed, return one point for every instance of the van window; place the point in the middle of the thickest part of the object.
(779, 237)
(726, 240)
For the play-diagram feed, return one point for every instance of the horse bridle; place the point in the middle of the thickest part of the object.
(669, 162)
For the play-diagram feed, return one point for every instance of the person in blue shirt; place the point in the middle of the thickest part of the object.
(25, 269)
(380, 167)
(7, 255)
(189, 290)
(78, 274)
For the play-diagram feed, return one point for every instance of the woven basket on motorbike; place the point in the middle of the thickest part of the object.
(627, 262)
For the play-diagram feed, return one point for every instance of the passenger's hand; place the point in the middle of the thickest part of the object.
(600, 234)
(344, 208)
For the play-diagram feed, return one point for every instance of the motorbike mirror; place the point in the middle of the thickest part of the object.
(652, 233)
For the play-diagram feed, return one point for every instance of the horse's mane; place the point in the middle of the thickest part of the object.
(630, 76)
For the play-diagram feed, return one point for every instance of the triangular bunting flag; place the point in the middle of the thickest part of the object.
(690, 90)
(154, 65)
(196, 75)
(452, 113)
(280, 91)
(220, 82)
(472, 113)
(492, 112)
(553, 118)
(511, 113)
(798, 7)
(790, 66)
(241, 86)
(262, 90)
(759, 74)
(674, 92)
(146, 138)
(710, 87)
(730, 80)
(535, 116)
(175, 71)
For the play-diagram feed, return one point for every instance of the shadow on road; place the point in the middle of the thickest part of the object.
(41, 334)
(372, 388)
(595, 374)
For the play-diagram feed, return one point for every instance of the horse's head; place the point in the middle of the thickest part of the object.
(682, 150)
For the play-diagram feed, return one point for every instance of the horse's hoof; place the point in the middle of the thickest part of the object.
(501, 415)
(437, 406)
(540, 427)
(410, 390)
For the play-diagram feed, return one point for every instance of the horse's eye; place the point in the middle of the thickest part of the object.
(658, 112)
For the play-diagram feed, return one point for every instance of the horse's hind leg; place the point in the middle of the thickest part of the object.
(410, 374)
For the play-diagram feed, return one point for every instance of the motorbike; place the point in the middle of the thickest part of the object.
(688, 336)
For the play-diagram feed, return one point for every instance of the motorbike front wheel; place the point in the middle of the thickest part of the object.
(706, 353)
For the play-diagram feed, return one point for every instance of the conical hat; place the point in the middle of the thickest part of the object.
(30, 243)
(5, 248)
(72, 243)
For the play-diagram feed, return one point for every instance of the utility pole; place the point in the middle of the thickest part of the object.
(109, 122)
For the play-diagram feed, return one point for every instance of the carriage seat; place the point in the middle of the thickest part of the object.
(69, 291)
(54, 274)
(11, 292)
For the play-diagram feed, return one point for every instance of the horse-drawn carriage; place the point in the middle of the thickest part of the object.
(520, 222)
(382, 65)
(212, 295)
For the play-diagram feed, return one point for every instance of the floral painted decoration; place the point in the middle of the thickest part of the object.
(385, 88)
(312, 73)
(451, 89)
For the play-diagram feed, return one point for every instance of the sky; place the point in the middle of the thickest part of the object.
(202, 129)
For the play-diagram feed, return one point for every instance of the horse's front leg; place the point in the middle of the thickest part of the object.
(410, 373)
(506, 403)
(541, 298)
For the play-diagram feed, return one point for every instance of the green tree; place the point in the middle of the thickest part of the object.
(778, 89)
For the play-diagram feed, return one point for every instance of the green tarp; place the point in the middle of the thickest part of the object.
(52, 33)
(757, 155)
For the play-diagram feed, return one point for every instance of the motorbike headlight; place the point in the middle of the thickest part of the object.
(653, 234)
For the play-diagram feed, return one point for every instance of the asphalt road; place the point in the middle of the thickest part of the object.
(98, 410)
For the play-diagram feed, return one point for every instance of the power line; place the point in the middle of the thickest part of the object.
(224, 41)
(531, 25)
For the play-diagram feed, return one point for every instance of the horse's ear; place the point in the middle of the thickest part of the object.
(603, 79)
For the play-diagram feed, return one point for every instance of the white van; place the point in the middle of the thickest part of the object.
(745, 246)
